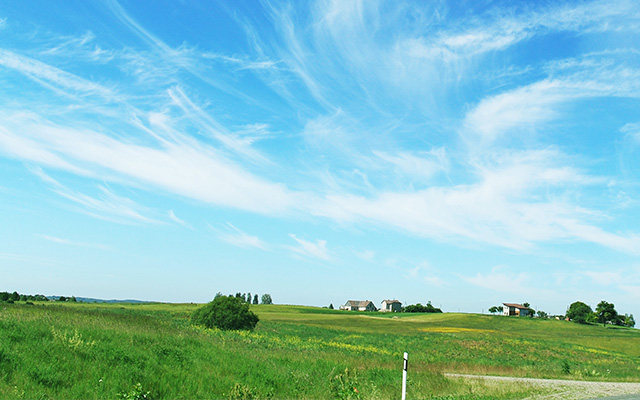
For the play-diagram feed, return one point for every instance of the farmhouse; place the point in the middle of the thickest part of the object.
(357, 305)
(391, 306)
(510, 309)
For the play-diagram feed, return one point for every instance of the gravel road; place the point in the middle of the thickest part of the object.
(570, 390)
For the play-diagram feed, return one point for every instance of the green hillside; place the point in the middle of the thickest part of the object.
(97, 351)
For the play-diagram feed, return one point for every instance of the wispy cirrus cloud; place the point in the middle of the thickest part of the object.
(240, 238)
(310, 249)
(173, 217)
(53, 77)
(189, 168)
(106, 205)
(68, 242)
(510, 206)
(537, 103)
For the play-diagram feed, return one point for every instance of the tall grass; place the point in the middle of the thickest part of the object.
(97, 351)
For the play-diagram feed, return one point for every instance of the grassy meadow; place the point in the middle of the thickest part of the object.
(110, 351)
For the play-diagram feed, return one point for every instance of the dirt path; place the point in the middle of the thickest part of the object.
(568, 390)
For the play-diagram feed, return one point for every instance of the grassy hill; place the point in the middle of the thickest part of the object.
(97, 351)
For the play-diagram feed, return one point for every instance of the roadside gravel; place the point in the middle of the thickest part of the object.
(566, 389)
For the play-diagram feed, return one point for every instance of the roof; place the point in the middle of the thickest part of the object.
(515, 305)
(391, 301)
(358, 303)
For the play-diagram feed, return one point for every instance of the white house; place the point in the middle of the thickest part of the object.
(357, 305)
(509, 309)
(391, 306)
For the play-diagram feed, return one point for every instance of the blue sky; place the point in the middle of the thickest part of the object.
(467, 154)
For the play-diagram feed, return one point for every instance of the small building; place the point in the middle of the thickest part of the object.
(510, 309)
(358, 305)
(391, 306)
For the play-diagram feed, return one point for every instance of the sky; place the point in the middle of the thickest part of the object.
(463, 153)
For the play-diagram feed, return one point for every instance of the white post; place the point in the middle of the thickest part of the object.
(404, 376)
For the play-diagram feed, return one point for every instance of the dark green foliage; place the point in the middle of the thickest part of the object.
(419, 308)
(331, 306)
(579, 312)
(566, 367)
(495, 309)
(255, 299)
(606, 312)
(15, 296)
(629, 321)
(266, 299)
(226, 313)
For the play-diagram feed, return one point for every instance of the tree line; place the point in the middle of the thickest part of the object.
(419, 308)
(605, 313)
(246, 297)
(6, 297)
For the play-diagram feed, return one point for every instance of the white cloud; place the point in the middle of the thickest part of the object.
(632, 132)
(366, 255)
(529, 106)
(106, 205)
(188, 168)
(517, 203)
(68, 242)
(605, 278)
(420, 164)
(53, 76)
(310, 249)
(241, 239)
(174, 218)
(500, 280)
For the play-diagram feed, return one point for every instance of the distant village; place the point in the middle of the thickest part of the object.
(508, 309)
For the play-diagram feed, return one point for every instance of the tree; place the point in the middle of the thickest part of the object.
(606, 312)
(226, 313)
(495, 309)
(266, 299)
(419, 308)
(579, 312)
(331, 306)
(249, 297)
(15, 296)
(62, 298)
(255, 298)
(526, 304)
(629, 321)
(542, 314)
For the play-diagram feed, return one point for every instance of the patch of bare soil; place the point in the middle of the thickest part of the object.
(565, 389)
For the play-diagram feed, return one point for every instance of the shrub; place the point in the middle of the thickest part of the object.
(137, 393)
(344, 386)
(242, 392)
(227, 313)
(579, 312)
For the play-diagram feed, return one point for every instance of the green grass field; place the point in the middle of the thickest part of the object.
(101, 351)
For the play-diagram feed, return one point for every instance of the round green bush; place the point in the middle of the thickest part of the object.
(227, 313)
